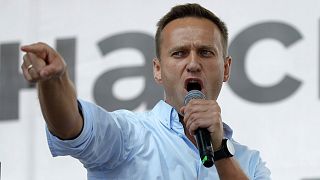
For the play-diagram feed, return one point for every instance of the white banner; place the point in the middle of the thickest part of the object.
(272, 101)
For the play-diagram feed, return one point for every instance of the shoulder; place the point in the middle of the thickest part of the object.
(139, 119)
(131, 115)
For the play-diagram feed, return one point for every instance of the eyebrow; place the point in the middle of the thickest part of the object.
(206, 47)
(183, 47)
(179, 47)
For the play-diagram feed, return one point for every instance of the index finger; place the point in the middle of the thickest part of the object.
(40, 49)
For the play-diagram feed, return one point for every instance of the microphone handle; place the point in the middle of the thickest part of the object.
(203, 139)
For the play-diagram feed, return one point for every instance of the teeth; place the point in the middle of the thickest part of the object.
(193, 81)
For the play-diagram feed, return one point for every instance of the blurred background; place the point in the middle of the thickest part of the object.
(271, 102)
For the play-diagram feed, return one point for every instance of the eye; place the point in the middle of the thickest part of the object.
(179, 54)
(206, 53)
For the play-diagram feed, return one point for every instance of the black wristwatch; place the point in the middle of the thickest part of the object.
(226, 150)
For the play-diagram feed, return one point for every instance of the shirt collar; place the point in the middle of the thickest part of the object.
(164, 113)
(169, 117)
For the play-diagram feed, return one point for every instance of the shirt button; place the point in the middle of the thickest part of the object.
(180, 135)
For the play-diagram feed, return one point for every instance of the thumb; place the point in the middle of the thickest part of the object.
(45, 73)
(51, 71)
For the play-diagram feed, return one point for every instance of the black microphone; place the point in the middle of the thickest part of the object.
(203, 137)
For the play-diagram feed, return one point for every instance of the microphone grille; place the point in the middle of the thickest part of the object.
(193, 94)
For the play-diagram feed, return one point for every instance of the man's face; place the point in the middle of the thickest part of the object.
(191, 57)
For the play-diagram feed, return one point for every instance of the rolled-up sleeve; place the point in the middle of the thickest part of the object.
(103, 142)
(261, 171)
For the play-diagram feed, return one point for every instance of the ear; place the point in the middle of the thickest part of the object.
(157, 71)
(227, 68)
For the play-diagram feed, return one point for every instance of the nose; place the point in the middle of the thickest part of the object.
(193, 64)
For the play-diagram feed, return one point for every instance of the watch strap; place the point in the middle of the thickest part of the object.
(223, 152)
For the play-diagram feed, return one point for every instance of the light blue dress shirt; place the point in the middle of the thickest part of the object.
(149, 145)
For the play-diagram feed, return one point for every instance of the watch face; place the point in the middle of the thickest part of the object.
(230, 147)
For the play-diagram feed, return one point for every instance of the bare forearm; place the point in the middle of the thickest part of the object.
(229, 169)
(59, 107)
(57, 96)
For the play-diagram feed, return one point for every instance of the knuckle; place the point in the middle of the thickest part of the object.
(55, 70)
(193, 109)
(216, 114)
(193, 117)
(216, 106)
(195, 101)
(196, 124)
(217, 123)
(28, 78)
(189, 111)
(188, 125)
(185, 120)
(24, 57)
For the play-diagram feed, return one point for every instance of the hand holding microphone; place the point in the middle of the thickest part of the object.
(203, 119)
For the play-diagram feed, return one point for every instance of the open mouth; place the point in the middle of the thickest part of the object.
(193, 84)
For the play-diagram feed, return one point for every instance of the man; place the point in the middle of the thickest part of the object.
(191, 48)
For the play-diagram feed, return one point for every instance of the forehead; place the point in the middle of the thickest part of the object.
(191, 30)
